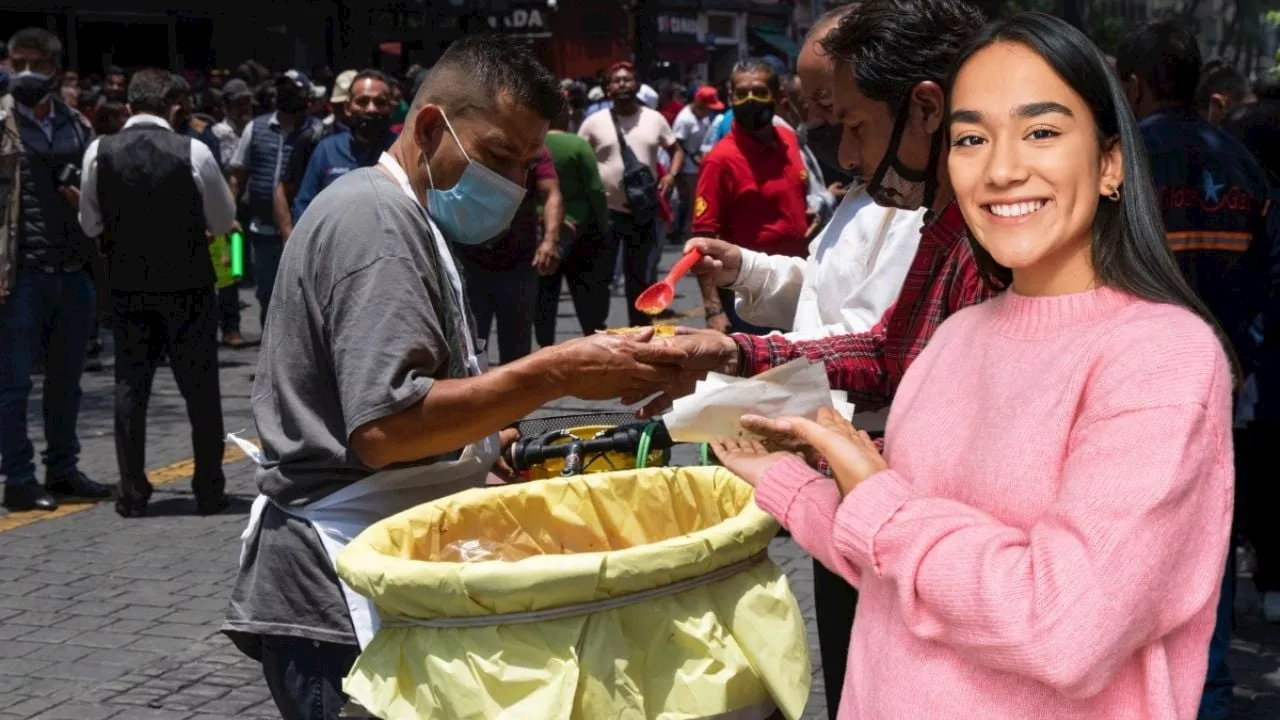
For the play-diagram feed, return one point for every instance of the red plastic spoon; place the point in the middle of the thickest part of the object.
(659, 295)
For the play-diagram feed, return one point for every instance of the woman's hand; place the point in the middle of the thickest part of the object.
(747, 459)
(852, 455)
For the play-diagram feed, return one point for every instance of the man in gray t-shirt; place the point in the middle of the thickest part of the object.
(364, 365)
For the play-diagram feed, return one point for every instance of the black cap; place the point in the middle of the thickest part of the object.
(294, 80)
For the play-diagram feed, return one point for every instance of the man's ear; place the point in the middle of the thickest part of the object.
(1219, 106)
(928, 96)
(428, 129)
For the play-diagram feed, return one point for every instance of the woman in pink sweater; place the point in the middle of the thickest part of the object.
(1045, 534)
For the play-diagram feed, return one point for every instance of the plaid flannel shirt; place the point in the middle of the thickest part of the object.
(942, 280)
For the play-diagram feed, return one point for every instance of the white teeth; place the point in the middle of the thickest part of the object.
(1016, 209)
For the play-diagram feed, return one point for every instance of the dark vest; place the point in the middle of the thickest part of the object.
(49, 235)
(152, 212)
(269, 151)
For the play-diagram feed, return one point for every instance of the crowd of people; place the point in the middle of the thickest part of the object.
(1060, 270)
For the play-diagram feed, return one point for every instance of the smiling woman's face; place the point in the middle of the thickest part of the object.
(1027, 169)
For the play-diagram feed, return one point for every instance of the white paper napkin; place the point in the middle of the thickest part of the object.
(713, 410)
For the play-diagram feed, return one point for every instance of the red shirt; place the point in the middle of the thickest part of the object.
(753, 195)
(943, 279)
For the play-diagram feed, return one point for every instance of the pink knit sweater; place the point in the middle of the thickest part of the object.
(1050, 539)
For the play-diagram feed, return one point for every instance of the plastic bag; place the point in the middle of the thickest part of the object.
(253, 452)
(480, 550)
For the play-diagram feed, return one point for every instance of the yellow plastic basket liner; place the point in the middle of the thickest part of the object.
(616, 543)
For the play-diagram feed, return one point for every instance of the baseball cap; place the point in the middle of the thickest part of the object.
(710, 96)
(342, 86)
(236, 89)
(647, 95)
(295, 81)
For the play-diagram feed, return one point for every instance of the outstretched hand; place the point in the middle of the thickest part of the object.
(748, 459)
(850, 452)
(699, 352)
(602, 367)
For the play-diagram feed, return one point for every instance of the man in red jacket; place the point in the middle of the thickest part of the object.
(751, 191)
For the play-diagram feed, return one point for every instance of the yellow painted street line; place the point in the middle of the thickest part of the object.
(71, 506)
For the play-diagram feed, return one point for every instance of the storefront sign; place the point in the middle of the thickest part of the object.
(678, 25)
(523, 22)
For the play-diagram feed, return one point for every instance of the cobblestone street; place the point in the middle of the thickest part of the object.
(102, 617)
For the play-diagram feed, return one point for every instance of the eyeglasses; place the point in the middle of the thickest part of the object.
(742, 94)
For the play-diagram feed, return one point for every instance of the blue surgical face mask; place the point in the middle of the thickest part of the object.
(476, 209)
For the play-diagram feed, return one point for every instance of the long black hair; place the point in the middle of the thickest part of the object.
(1130, 250)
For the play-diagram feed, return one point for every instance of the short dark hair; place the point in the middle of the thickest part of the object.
(477, 69)
(38, 39)
(109, 114)
(1165, 57)
(372, 74)
(180, 86)
(264, 96)
(893, 45)
(754, 65)
(1220, 77)
(827, 19)
(152, 90)
(114, 70)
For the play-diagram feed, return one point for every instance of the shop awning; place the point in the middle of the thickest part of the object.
(778, 40)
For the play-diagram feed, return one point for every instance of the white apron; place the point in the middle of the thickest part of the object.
(339, 517)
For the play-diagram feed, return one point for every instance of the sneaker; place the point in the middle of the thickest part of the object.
(1271, 606)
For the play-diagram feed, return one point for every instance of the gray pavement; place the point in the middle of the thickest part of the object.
(108, 618)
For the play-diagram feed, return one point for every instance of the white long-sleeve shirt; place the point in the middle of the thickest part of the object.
(219, 206)
(853, 274)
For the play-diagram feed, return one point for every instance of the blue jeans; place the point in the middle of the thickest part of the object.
(305, 677)
(57, 308)
(267, 250)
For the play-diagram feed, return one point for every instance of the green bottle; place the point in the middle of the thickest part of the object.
(237, 254)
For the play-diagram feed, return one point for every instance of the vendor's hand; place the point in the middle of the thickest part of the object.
(506, 438)
(721, 261)
(71, 194)
(852, 455)
(667, 182)
(547, 257)
(747, 459)
(839, 190)
(700, 351)
(602, 367)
